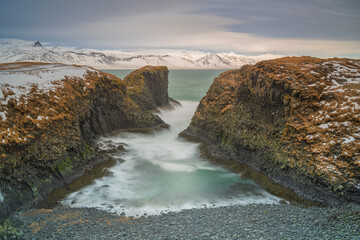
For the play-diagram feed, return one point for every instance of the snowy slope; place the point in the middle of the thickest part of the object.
(20, 79)
(13, 50)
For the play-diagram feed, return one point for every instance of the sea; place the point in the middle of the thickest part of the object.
(160, 172)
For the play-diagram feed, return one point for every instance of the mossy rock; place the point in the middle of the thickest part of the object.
(287, 111)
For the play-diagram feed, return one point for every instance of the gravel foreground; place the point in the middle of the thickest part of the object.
(257, 221)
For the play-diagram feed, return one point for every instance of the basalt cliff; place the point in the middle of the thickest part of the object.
(51, 115)
(295, 119)
(148, 86)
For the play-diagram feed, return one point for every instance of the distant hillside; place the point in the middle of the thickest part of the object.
(13, 50)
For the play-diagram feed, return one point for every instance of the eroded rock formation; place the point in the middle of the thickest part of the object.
(148, 86)
(50, 117)
(296, 119)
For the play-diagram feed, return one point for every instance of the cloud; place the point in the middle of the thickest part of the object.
(316, 27)
(142, 29)
(194, 31)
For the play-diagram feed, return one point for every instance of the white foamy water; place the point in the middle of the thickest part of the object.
(162, 173)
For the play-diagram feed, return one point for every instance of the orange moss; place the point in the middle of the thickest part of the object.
(321, 102)
(41, 114)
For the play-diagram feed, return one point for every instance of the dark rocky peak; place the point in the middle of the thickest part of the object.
(37, 44)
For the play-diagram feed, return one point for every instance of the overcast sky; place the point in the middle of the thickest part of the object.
(322, 28)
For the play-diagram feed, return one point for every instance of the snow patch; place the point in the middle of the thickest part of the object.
(346, 73)
(348, 139)
(3, 115)
(324, 126)
(347, 123)
(21, 80)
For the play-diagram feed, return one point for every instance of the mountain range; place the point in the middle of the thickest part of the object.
(15, 50)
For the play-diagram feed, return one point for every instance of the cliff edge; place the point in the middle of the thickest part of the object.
(148, 86)
(50, 116)
(296, 119)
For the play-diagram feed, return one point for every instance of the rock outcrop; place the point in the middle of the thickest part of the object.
(50, 116)
(37, 44)
(296, 119)
(148, 86)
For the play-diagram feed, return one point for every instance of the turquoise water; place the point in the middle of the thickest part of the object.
(160, 172)
(189, 85)
(121, 73)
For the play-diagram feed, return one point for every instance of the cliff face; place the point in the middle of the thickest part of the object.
(295, 119)
(148, 86)
(50, 116)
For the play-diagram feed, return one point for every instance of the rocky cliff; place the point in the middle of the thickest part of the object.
(148, 86)
(50, 116)
(296, 119)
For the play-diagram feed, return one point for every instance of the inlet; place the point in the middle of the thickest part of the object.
(160, 172)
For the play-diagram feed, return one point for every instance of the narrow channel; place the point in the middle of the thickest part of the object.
(160, 172)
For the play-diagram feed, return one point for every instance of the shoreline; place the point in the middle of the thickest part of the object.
(252, 221)
(277, 184)
(217, 156)
(86, 173)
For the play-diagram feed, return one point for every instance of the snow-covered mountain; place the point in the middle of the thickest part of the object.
(14, 50)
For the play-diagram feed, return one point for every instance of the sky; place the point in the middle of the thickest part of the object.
(322, 28)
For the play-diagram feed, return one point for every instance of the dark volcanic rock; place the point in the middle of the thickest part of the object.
(47, 134)
(149, 86)
(37, 44)
(294, 119)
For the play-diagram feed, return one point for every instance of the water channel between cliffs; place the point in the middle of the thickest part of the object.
(160, 172)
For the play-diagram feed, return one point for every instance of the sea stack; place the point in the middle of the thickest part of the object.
(149, 86)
